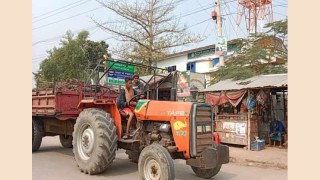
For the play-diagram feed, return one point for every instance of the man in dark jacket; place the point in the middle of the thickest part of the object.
(125, 96)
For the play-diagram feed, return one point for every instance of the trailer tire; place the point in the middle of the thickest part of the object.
(37, 134)
(133, 156)
(66, 141)
(94, 141)
(155, 162)
(206, 173)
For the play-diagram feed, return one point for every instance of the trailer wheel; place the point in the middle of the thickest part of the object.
(155, 162)
(66, 141)
(133, 155)
(37, 133)
(94, 141)
(206, 173)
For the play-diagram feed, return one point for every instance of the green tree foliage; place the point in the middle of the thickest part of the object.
(255, 53)
(74, 59)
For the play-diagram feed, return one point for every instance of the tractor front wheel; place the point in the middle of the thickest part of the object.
(155, 163)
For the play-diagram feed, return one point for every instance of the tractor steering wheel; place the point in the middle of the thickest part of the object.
(135, 98)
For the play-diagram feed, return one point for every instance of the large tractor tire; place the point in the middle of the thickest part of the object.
(37, 134)
(133, 156)
(66, 141)
(206, 173)
(155, 163)
(94, 141)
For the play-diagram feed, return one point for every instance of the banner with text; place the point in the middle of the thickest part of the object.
(118, 72)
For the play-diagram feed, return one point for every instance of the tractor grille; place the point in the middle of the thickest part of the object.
(203, 128)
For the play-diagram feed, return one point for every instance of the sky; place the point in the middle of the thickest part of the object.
(51, 19)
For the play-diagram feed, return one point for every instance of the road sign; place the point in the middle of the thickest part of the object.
(117, 66)
(118, 72)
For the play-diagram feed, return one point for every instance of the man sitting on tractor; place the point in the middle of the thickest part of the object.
(137, 84)
(125, 96)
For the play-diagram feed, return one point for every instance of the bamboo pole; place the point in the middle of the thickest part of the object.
(249, 125)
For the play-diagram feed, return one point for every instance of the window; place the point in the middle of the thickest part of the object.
(171, 68)
(191, 67)
(215, 61)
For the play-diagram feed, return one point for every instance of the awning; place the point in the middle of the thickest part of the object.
(218, 98)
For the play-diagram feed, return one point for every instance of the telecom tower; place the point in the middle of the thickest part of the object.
(254, 11)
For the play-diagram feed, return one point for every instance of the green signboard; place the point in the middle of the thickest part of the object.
(118, 72)
(117, 66)
(115, 81)
(201, 53)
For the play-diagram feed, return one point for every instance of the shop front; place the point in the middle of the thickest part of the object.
(245, 109)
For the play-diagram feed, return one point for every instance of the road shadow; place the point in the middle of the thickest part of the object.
(55, 148)
(185, 172)
(120, 167)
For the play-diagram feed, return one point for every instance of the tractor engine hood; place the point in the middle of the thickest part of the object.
(162, 110)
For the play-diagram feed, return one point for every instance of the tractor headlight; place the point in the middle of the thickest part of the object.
(199, 129)
(208, 128)
(203, 128)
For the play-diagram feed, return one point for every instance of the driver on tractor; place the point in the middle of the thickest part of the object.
(125, 103)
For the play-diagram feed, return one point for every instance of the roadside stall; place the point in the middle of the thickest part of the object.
(244, 109)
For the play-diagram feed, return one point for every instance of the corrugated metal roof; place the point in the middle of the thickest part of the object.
(272, 80)
(157, 78)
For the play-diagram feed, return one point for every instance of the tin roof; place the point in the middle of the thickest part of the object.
(261, 81)
(153, 79)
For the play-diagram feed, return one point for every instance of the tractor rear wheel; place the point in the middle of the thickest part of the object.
(94, 141)
(206, 173)
(66, 141)
(37, 133)
(155, 163)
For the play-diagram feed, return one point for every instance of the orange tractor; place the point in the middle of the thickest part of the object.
(87, 119)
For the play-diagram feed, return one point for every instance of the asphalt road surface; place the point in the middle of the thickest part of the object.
(53, 162)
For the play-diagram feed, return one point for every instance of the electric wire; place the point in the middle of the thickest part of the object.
(57, 9)
(60, 11)
(67, 18)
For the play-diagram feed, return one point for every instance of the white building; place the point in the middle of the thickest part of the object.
(204, 60)
(200, 60)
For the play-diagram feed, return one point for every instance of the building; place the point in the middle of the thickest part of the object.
(204, 60)
(200, 60)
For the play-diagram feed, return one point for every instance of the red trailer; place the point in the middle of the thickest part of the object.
(57, 108)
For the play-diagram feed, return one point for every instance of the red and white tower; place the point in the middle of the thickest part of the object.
(255, 11)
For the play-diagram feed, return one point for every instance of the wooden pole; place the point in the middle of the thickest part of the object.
(219, 28)
(249, 125)
(284, 109)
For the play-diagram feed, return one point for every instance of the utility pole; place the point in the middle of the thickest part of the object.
(255, 20)
(219, 28)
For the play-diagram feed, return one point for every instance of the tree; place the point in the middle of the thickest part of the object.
(256, 55)
(147, 29)
(74, 59)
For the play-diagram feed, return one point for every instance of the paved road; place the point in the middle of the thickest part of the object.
(53, 162)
